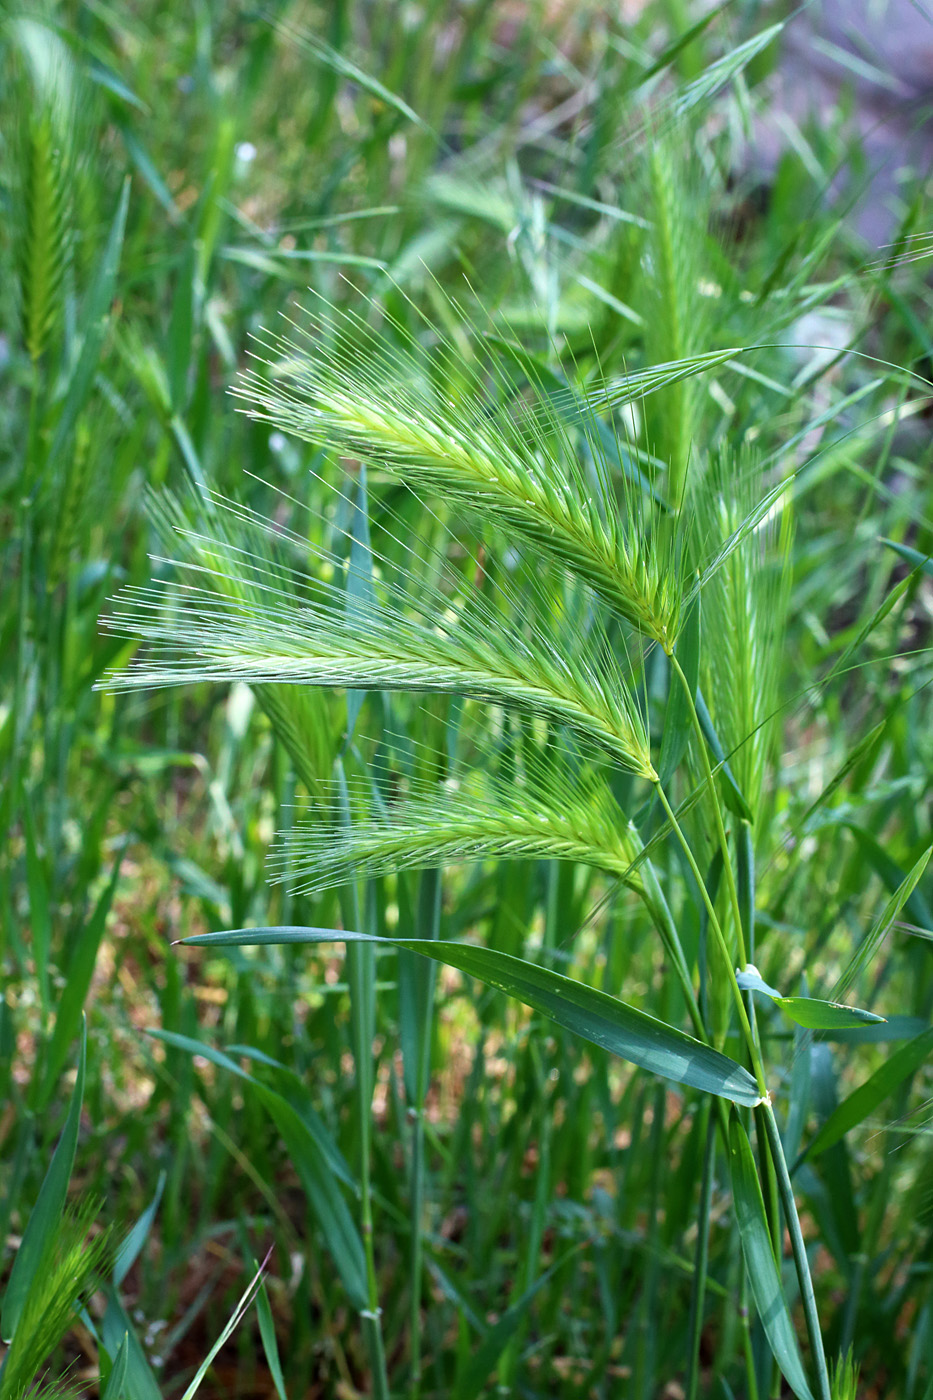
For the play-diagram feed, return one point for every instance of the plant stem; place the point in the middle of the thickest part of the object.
(799, 1250)
(698, 1295)
(717, 812)
(753, 1050)
(361, 979)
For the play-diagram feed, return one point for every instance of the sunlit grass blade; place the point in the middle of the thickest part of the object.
(230, 1327)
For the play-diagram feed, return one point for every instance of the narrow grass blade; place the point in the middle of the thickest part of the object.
(759, 1261)
(472, 1382)
(269, 1344)
(893, 876)
(129, 1250)
(677, 716)
(360, 594)
(734, 797)
(95, 319)
(913, 556)
(866, 1098)
(314, 1157)
(233, 1322)
(116, 1381)
(45, 1220)
(79, 973)
(39, 917)
(879, 929)
(601, 1019)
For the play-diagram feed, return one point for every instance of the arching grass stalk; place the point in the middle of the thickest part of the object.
(785, 1187)
(715, 925)
(717, 809)
(736, 906)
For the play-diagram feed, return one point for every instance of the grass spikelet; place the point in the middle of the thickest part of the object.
(243, 617)
(745, 604)
(42, 179)
(58, 1289)
(673, 314)
(555, 816)
(509, 462)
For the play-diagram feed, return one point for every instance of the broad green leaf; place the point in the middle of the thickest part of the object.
(591, 1014)
(818, 1015)
(810, 1012)
(866, 1098)
(749, 979)
(759, 1260)
(44, 1222)
(313, 1159)
(117, 1332)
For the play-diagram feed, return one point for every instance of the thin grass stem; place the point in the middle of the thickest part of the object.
(717, 811)
(698, 1293)
(754, 1054)
(799, 1249)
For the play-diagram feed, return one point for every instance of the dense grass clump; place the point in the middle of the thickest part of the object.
(465, 726)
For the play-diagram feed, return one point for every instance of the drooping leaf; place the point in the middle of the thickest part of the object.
(819, 1015)
(591, 1014)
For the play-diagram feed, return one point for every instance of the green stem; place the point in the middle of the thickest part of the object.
(698, 1295)
(717, 811)
(361, 979)
(753, 1050)
(801, 1263)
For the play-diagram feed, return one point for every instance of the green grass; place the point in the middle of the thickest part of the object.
(540, 599)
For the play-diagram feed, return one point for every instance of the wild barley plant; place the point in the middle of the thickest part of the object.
(586, 572)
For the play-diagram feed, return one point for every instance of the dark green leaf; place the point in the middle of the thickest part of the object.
(591, 1014)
